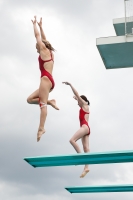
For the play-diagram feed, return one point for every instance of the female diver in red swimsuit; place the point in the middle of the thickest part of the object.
(46, 62)
(84, 131)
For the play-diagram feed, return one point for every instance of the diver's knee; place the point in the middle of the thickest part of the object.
(29, 100)
(42, 104)
(71, 141)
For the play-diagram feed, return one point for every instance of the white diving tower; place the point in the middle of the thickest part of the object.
(122, 28)
(117, 51)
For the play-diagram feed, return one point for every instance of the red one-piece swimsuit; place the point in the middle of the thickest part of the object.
(82, 118)
(44, 72)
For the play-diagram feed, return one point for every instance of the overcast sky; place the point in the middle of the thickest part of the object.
(72, 27)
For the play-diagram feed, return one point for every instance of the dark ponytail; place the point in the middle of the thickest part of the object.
(85, 99)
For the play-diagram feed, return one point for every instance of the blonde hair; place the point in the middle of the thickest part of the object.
(48, 45)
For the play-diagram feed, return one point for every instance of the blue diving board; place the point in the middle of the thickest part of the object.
(97, 189)
(81, 159)
(119, 26)
(116, 51)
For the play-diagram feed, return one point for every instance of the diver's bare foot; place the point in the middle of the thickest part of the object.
(53, 104)
(84, 173)
(39, 134)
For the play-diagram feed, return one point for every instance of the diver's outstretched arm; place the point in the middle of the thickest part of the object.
(37, 34)
(41, 29)
(76, 97)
